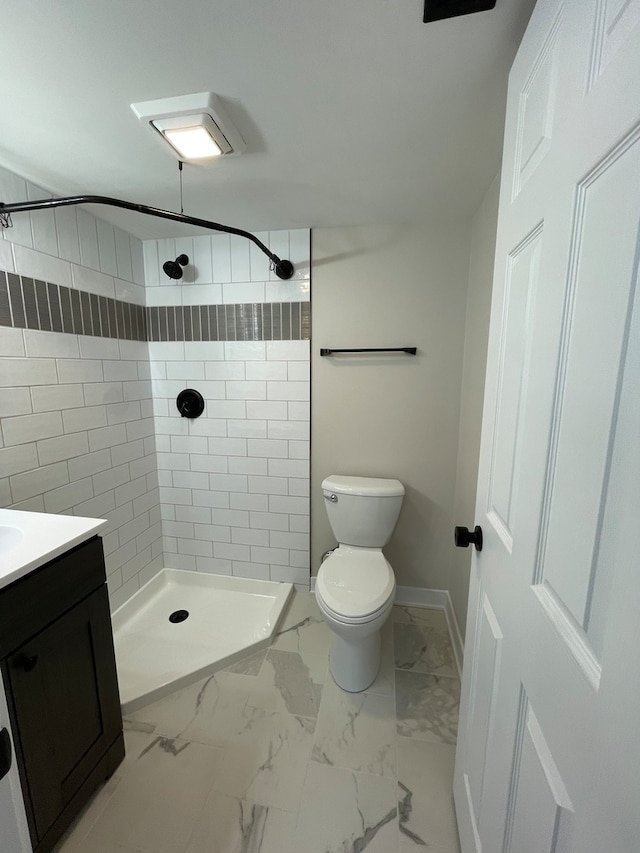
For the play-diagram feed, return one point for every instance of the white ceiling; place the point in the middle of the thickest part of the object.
(353, 111)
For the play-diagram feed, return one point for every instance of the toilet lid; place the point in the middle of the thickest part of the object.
(355, 582)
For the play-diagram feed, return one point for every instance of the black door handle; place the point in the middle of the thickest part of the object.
(5, 753)
(464, 537)
(26, 662)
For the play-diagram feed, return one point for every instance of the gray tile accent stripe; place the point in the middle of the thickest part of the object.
(26, 303)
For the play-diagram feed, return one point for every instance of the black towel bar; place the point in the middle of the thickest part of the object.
(407, 350)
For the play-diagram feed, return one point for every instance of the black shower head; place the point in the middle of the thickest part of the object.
(174, 268)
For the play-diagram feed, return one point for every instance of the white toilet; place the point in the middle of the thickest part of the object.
(355, 586)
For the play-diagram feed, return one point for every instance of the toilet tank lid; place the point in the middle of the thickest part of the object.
(367, 486)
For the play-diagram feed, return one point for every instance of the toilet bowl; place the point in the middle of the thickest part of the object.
(355, 586)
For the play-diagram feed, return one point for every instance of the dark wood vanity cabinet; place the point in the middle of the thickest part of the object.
(58, 667)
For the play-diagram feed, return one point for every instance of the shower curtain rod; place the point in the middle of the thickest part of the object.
(282, 268)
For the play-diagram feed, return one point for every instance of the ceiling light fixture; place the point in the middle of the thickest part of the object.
(196, 127)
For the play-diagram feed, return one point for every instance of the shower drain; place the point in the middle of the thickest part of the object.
(179, 616)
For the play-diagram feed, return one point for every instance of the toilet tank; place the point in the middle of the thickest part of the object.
(362, 510)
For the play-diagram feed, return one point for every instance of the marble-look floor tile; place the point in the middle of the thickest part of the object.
(73, 839)
(420, 616)
(427, 706)
(164, 785)
(266, 760)
(426, 812)
(356, 731)
(385, 679)
(205, 712)
(285, 684)
(423, 648)
(227, 825)
(250, 665)
(304, 630)
(346, 812)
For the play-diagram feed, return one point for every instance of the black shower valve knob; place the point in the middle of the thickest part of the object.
(190, 403)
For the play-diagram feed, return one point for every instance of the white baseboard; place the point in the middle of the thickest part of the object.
(434, 599)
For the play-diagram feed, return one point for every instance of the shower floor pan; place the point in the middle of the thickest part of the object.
(227, 619)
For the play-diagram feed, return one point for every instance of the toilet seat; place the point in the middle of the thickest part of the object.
(355, 584)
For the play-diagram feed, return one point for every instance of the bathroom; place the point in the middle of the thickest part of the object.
(94, 349)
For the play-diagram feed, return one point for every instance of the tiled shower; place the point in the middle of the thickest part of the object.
(95, 344)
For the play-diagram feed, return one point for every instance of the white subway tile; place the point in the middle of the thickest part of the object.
(67, 228)
(199, 514)
(133, 350)
(48, 398)
(22, 371)
(6, 256)
(171, 495)
(173, 461)
(133, 528)
(178, 528)
(210, 463)
(107, 247)
(293, 505)
(246, 390)
(297, 541)
(221, 256)
(288, 390)
(119, 371)
(15, 460)
(191, 480)
(300, 559)
(94, 347)
(119, 413)
(137, 260)
(65, 447)
(43, 224)
(168, 388)
(268, 410)
(201, 294)
(299, 411)
(267, 370)
(78, 370)
(35, 504)
(151, 265)
(269, 520)
(224, 408)
(144, 370)
(123, 453)
(107, 480)
(298, 371)
(90, 417)
(244, 350)
(267, 447)
(212, 532)
(219, 500)
(287, 350)
(11, 341)
(181, 561)
(246, 429)
(228, 446)
(249, 536)
(247, 465)
(107, 437)
(92, 281)
(166, 350)
(91, 463)
(287, 291)
(26, 428)
(40, 481)
(139, 429)
(300, 253)
(288, 429)
(268, 485)
(97, 393)
(202, 261)
(279, 245)
(101, 506)
(259, 262)
(154, 296)
(259, 503)
(188, 444)
(147, 467)
(204, 351)
(228, 482)
(147, 502)
(15, 401)
(129, 491)
(227, 551)
(213, 566)
(279, 556)
(14, 188)
(288, 468)
(196, 547)
(231, 517)
(88, 239)
(299, 486)
(188, 370)
(123, 255)
(259, 571)
(64, 497)
(224, 369)
(45, 345)
(299, 449)
(234, 293)
(37, 265)
(299, 524)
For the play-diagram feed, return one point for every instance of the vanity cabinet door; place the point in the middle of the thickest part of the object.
(66, 704)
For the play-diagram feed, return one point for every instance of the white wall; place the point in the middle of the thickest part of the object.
(391, 416)
(483, 241)
(76, 425)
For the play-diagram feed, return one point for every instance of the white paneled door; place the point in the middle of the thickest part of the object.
(549, 744)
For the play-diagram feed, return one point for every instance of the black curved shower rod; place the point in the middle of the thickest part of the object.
(282, 268)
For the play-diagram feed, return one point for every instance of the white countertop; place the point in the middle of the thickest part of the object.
(28, 540)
